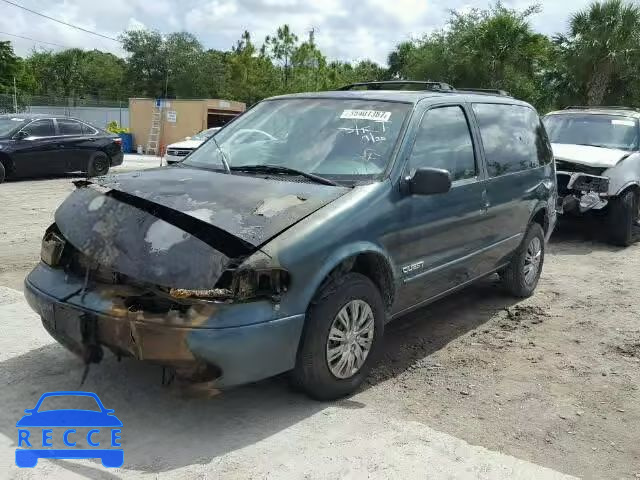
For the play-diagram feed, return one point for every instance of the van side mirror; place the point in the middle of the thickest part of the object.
(429, 181)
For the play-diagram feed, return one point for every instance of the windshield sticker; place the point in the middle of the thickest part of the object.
(626, 123)
(375, 115)
(365, 133)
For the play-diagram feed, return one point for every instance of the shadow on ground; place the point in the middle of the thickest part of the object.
(582, 236)
(164, 429)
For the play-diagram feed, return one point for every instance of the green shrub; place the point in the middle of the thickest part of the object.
(114, 128)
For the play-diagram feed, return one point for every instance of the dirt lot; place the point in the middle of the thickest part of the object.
(554, 380)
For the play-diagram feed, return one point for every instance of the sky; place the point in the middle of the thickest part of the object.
(344, 29)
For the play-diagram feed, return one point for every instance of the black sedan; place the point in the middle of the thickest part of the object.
(33, 145)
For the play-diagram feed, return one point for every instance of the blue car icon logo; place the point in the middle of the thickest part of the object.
(32, 445)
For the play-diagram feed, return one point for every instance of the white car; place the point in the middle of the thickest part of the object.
(177, 151)
(597, 157)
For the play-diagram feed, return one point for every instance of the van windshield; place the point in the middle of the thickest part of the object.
(341, 139)
(596, 130)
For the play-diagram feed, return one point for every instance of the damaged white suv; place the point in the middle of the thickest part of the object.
(597, 153)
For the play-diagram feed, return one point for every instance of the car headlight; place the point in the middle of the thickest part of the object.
(52, 247)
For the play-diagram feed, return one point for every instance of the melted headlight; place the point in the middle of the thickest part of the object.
(52, 248)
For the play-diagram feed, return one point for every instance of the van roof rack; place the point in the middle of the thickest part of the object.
(491, 91)
(418, 85)
(398, 84)
(602, 107)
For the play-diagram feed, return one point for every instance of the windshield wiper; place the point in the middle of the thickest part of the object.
(285, 170)
(227, 168)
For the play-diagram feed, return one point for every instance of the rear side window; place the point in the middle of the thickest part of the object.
(513, 138)
(444, 141)
(89, 130)
(69, 127)
(40, 128)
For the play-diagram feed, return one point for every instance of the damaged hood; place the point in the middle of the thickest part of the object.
(587, 155)
(181, 227)
(251, 208)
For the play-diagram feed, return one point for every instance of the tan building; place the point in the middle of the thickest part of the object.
(180, 118)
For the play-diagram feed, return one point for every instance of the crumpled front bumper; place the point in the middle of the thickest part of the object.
(241, 343)
(581, 192)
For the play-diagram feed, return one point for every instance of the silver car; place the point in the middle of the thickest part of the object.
(597, 154)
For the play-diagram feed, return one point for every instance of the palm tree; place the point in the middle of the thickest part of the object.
(603, 45)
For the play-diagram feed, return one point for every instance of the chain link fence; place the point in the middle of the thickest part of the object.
(98, 112)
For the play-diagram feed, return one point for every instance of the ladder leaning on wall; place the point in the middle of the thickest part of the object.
(154, 132)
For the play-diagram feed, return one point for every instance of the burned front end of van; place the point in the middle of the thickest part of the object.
(139, 267)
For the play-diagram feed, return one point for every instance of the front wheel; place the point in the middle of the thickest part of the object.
(341, 338)
(521, 276)
(623, 216)
(3, 173)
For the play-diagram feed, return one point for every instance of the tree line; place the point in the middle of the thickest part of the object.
(595, 62)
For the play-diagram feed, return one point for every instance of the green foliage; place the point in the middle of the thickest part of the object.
(595, 62)
(9, 66)
(493, 48)
(598, 60)
(113, 127)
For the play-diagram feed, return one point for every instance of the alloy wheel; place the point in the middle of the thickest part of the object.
(532, 260)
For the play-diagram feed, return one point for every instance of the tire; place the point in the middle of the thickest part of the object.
(516, 278)
(623, 215)
(98, 165)
(313, 373)
(3, 173)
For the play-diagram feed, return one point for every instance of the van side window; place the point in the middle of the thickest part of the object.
(512, 136)
(444, 141)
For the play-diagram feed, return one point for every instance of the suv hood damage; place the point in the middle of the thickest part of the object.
(587, 155)
(180, 227)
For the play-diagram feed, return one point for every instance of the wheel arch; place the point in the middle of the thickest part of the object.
(540, 216)
(635, 186)
(365, 258)
(7, 163)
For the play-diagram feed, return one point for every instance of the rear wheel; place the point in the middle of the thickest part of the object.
(521, 277)
(342, 335)
(623, 216)
(98, 165)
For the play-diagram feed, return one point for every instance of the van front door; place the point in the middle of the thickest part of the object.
(440, 244)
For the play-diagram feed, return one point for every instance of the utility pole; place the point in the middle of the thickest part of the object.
(15, 96)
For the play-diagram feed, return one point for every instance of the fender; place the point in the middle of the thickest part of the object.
(626, 186)
(343, 253)
(624, 174)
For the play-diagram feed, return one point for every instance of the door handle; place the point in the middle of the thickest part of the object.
(485, 200)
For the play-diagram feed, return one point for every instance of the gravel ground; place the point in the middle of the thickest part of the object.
(553, 380)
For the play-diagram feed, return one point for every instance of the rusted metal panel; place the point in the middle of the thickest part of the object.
(136, 243)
